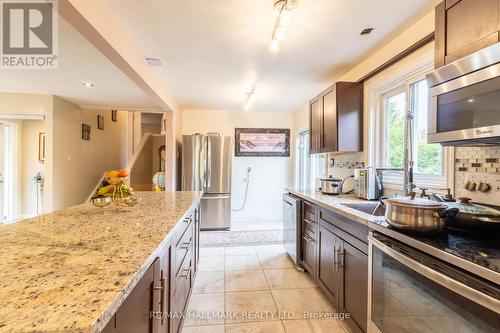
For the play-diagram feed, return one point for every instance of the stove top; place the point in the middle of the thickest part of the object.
(481, 249)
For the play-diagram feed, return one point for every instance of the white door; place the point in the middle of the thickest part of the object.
(2, 171)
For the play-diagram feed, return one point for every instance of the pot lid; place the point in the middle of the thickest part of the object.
(415, 202)
(473, 209)
(331, 179)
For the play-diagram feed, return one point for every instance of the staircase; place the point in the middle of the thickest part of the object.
(143, 165)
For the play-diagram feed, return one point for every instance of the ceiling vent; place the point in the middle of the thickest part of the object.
(154, 62)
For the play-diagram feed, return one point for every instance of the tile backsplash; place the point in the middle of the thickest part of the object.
(341, 166)
(474, 160)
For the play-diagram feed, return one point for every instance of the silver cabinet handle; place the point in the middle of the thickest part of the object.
(188, 273)
(340, 259)
(307, 239)
(187, 245)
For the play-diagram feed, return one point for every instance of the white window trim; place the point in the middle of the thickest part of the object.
(387, 81)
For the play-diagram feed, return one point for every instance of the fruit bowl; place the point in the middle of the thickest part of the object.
(117, 192)
(101, 202)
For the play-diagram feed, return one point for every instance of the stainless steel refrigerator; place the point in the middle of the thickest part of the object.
(206, 166)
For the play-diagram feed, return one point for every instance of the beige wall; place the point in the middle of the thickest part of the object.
(79, 164)
(270, 175)
(30, 165)
(405, 39)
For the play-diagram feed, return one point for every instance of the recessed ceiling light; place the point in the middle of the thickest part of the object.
(88, 84)
(154, 62)
(366, 31)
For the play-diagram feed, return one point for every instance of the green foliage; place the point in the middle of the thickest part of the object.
(430, 158)
(429, 155)
(395, 151)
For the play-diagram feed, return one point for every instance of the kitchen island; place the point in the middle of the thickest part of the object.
(72, 270)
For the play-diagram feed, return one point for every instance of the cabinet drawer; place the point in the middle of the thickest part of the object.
(183, 279)
(309, 246)
(182, 289)
(310, 229)
(348, 226)
(182, 226)
(183, 247)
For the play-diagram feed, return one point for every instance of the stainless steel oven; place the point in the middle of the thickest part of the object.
(465, 100)
(411, 291)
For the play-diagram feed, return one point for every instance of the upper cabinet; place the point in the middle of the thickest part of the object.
(336, 119)
(464, 27)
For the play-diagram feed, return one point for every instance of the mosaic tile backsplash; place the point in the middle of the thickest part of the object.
(341, 166)
(474, 160)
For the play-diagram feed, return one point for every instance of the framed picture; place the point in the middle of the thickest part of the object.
(41, 147)
(114, 116)
(86, 132)
(262, 142)
(100, 122)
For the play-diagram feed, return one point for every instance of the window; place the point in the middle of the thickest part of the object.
(393, 95)
(309, 167)
(428, 158)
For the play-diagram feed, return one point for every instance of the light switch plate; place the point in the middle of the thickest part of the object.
(492, 197)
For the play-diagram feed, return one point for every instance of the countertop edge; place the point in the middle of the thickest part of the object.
(102, 320)
(350, 213)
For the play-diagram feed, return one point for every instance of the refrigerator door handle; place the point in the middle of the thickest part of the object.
(216, 197)
(209, 166)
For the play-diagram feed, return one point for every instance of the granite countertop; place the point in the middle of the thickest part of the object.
(469, 252)
(335, 203)
(70, 270)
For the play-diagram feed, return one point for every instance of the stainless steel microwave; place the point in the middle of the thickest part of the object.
(464, 100)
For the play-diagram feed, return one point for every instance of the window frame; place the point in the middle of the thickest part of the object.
(399, 77)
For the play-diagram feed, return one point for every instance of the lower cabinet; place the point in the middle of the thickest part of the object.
(354, 268)
(337, 258)
(164, 288)
(328, 275)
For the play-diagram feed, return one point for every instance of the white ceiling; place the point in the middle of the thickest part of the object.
(79, 61)
(213, 50)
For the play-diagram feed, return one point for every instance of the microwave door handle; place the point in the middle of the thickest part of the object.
(441, 279)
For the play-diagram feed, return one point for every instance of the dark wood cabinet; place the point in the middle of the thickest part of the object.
(328, 275)
(335, 254)
(464, 27)
(134, 314)
(309, 231)
(336, 119)
(164, 288)
(353, 266)
(315, 125)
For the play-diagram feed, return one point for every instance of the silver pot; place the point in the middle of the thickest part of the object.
(416, 214)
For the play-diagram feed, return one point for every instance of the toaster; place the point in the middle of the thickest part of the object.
(366, 184)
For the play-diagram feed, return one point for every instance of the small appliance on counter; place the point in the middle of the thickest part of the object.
(333, 186)
(367, 184)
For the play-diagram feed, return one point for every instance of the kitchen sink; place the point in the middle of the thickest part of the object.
(368, 208)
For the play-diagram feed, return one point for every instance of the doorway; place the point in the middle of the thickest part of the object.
(7, 169)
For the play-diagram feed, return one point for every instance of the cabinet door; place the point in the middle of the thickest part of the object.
(353, 265)
(163, 289)
(329, 136)
(349, 116)
(327, 269)
(315, 126)
(464, 27)
(309, 253)
(133, 316)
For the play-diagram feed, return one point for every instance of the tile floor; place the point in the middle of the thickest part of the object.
(260, 287)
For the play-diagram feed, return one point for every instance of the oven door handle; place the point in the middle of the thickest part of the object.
(441, 279)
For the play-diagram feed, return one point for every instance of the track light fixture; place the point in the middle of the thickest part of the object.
(283, 9)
